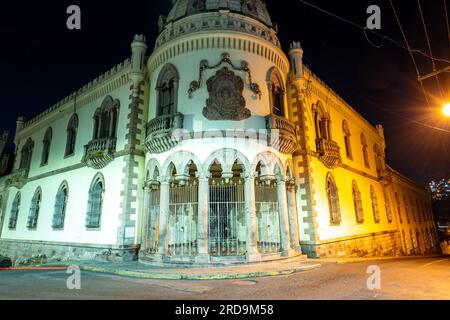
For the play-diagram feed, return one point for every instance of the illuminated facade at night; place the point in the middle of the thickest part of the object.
(215, 146)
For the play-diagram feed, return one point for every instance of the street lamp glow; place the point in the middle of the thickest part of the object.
(446, 109)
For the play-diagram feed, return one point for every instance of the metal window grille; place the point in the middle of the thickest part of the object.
(14, 214)
(94, 206)
(152, 228)
(60, 210)
(227, 226)
(34, 211)
(267, 212)
(183, 217)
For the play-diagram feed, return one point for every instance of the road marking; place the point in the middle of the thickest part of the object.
(435, 262)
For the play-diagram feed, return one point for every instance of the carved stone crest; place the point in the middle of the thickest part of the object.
(226, 101)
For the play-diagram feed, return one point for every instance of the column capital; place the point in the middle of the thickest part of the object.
(250, 176)
(203, 176)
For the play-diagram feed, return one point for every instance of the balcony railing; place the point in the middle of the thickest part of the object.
(329, 153)
(282, 134)
(18, 178)
(99, 152)
(159, 133)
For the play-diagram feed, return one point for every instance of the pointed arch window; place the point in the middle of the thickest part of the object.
(347, 140)
(333, 201)
(322, 122)
(399, 209)
(14, 212)
(106, 118)
(72, 129)
(365, 150)
(26, 155)
(167, 91)
(95, 203)
(375, 208)
(59, 212)
(378, 159)
(276, 90)
(357, 201)
(46, 146)
(388, 207)
(34, 210)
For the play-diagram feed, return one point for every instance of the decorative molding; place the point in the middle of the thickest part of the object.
(225, 58)
(226, 101)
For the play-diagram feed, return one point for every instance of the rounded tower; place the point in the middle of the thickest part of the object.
(219, 139)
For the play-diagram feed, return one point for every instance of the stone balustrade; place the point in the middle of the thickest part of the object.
(99, 152)
(329, 153)
(282, 134)
(159, 133)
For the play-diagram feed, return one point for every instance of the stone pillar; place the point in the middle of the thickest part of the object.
(293, 217)
(203, 221)
(284, 218)
(253, 254)
(163, 220)
(144, 220)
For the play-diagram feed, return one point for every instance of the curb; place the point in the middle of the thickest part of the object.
(174, 276)
(358, 260)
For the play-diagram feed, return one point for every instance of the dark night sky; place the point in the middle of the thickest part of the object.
(42, 62)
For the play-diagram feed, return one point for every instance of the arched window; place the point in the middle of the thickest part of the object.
(347, 140)
(34, 210)
(72, 129)
(46, 146)
(105, 119)
(14, 212)
(357, 201)
(388, 207)
(375, 209)
(322, 122)
(399, 209)
(59, 212)
(378, 159)
(276, 90)
(365, 150)
(406, 209)
(95, 203)
(333, 201)
(167, 88)
(26, 155)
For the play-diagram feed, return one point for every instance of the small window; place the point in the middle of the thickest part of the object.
(347, 140)
(72, 129)
(276, 90)
(105, 119)
(26, 155)
(34, 210)
(60, 207)
(321, 122)
(357, 201)
(14, 212)
(365, 150)
(95, 204)
(46, 146)
(375, 209)
(333, 201)
(167, 91)
(388, 207)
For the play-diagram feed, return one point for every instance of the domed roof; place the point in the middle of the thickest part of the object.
(253, 8)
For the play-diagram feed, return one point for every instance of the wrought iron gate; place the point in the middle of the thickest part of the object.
(267, 212)
(152, 227)
(227, 227)
(183, 213)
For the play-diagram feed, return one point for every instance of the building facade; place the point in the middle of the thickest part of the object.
(215, 146)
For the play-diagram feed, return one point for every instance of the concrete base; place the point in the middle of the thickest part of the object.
(289, 253)
(203, 259)
(254, 257)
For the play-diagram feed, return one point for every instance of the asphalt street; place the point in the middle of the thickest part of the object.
(401, 279)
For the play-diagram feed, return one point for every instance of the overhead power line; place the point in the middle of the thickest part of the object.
(384, 37)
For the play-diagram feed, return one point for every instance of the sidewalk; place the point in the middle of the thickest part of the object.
(138, 270)
(357, 260)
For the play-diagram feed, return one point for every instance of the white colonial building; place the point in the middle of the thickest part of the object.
(216, 146)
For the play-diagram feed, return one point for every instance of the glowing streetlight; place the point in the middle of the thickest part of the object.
(446, 109)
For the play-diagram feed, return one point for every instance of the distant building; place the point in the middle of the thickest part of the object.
(440, 189)
(215, 146)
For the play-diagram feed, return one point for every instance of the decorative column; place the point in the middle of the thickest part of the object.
(203, 220)
(145, 219)
(293, 216)
(284, 218)
(163, 219)
(253, 254)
